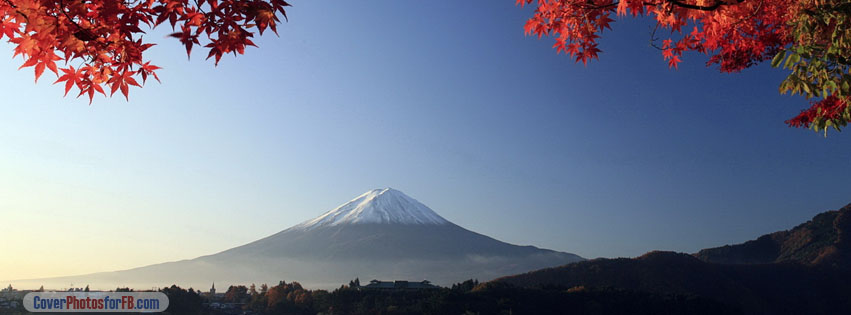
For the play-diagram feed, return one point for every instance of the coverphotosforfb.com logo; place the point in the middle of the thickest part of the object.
(95, 302)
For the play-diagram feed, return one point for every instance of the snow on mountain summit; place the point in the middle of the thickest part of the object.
(378, 206)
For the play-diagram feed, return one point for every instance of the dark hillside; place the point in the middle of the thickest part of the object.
(813, 242)
(800, 271)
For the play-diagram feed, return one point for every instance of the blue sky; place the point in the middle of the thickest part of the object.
(446, 101)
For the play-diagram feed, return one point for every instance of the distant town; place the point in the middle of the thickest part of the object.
(238, 299)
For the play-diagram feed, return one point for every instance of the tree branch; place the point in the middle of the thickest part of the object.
(679, 3)
(16, 10)
(712, 7)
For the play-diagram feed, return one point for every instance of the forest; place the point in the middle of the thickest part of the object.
(468, 297)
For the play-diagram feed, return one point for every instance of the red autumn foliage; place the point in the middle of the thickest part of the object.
(106, 36)
(829, 108)
(735, 34)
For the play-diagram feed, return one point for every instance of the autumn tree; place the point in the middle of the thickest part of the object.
(237, 294)
(181, 301)
(104, 38)
(811, 38)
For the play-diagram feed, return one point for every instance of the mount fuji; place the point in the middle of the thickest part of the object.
(383, 206)
(381, 234)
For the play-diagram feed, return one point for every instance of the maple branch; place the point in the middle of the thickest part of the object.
(86, 34)
(16, 10)
(198, 5)
(594, 6)
(753, 14)
(653, 38)
(678, 3)
(712, 7)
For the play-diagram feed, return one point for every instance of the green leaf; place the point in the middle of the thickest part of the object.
(793, 58)
(778, 58)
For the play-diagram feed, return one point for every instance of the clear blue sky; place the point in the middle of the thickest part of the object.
(447, 101)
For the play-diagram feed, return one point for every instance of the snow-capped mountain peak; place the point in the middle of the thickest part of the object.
(383, 206)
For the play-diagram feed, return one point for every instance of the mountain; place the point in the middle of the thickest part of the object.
(389, 225)
(381, 234)
(800, 271)
(380, 206)
(824, 239)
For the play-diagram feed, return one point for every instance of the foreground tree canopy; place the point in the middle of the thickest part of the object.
(811, 38)
(105, 36)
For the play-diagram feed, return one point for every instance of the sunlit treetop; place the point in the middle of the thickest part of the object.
(811, 38)
(95, 45)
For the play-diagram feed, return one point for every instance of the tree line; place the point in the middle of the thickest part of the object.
(468, 297)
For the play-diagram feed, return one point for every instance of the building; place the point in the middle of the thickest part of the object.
(8, 304)
(398, 285)
(212, 295)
